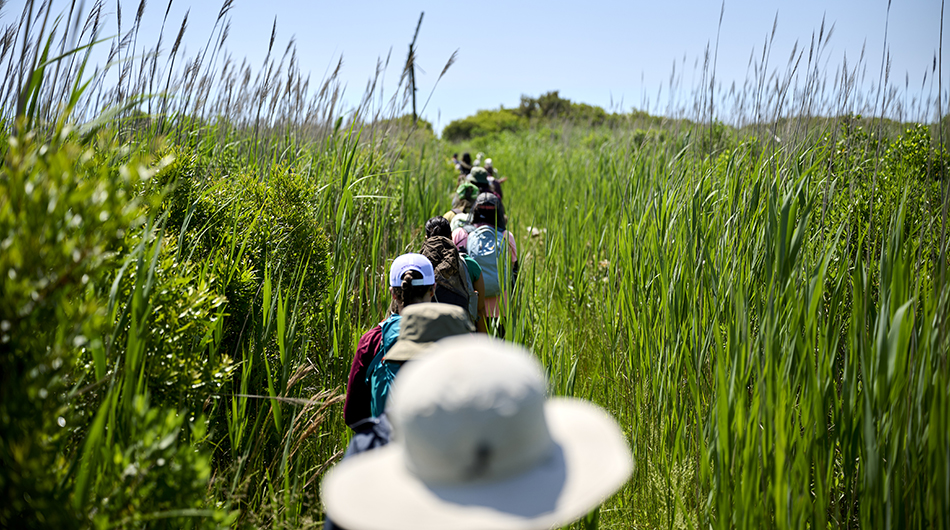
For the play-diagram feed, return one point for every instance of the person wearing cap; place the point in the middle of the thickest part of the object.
(489, 212)
(411, 281)
(484, 182)
(477, 445)
(462, 203)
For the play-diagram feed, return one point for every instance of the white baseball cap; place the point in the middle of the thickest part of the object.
(478, 446)
(411, 261)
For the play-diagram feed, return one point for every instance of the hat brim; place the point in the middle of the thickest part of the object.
(474, 180)
(375, 490)
(404, 350)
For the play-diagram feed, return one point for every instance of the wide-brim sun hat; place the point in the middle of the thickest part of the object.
(478, 446)
(424, 324)
(478, 176)
(411, 261)
(467, 191)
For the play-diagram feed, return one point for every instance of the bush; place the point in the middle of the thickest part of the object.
(66, 209)
(62, 216)
(183, 332)
(869, 190)
(483, 123)
(153, 480)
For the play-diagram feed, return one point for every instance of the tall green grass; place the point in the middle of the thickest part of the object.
(767, 374)
(763, 306)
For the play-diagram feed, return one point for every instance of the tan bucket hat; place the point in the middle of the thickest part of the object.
(423, 324)
(478, 446)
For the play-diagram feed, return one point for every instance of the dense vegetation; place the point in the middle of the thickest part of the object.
(182, 282)
(532, 113)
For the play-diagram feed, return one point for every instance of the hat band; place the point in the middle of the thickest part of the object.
(419, 282)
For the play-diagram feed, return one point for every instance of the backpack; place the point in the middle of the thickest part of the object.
(453, 284)
(380, 373)
(447, 295)
(381, 381)
(472, 294)
(488, 246)
(369, 433)
(462, 220)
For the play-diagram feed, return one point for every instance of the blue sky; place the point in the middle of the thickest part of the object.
(607, 53)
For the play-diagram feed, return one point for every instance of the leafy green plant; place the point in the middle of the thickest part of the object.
(483, 123)
(156, 479)
(63, 217)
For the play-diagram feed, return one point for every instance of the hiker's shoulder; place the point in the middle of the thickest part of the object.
(471, 263)
(371, 335)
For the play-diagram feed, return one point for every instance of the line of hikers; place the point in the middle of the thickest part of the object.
(476, 444)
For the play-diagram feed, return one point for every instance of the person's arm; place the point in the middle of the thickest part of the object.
(479, 286)
(513, 256)
(460, 238)
(356, 406)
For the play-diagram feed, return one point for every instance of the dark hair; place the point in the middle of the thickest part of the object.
(467, 158)
(489, 210)
(408, 293)
(438, 226)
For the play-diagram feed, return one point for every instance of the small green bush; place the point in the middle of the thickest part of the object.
(156, 479)
(483, 123)
(869, 187)
(183, 332)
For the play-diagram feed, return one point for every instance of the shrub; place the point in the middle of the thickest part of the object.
(183, 330)
(66, 208)
(153, 480)
(868, 189)
(62, 216)
(483, 123)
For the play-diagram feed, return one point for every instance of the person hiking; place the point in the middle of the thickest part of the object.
(485, 183)
(411, 281)
(479, 178)
(464, 167)
(493, 247)
(420, 326)
(462, 203)
(439, 227)
(480, 445)
(458, 277)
